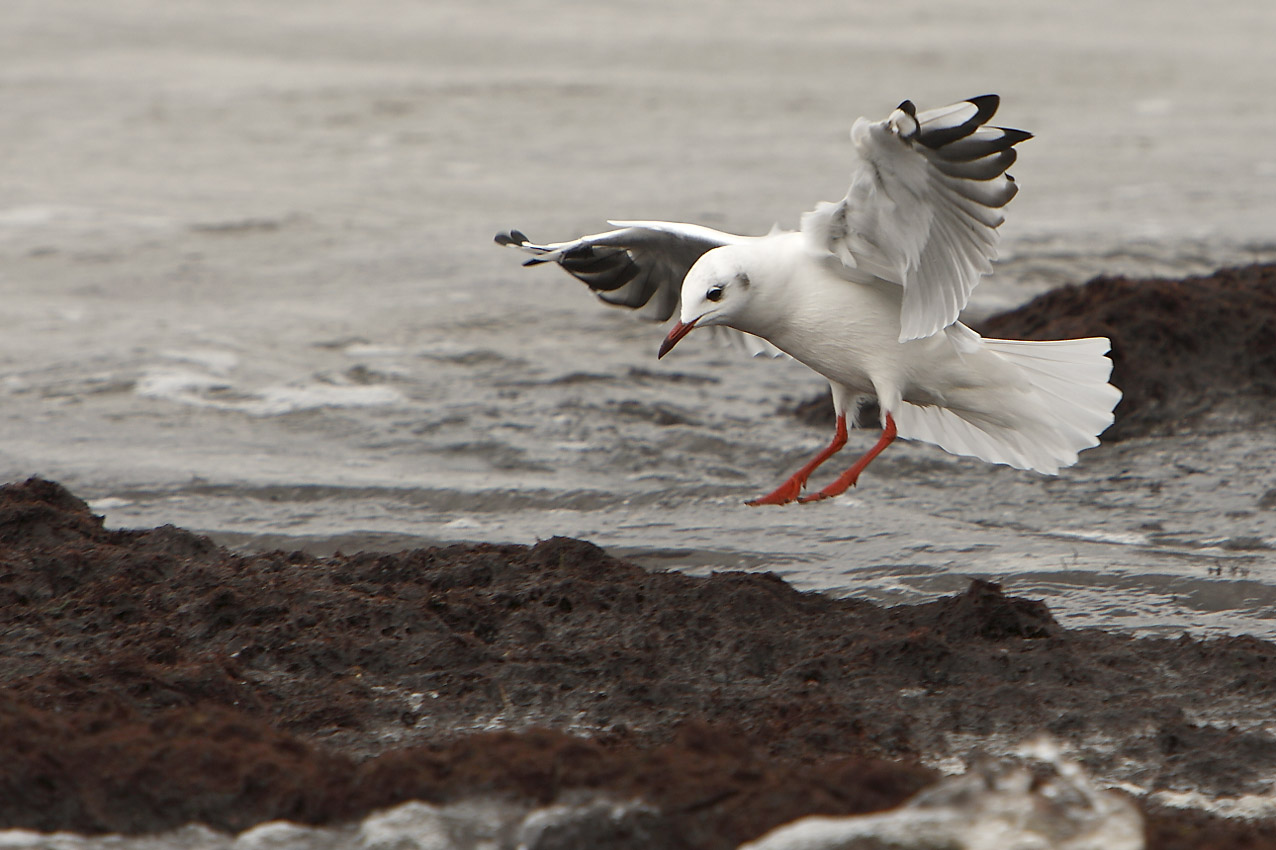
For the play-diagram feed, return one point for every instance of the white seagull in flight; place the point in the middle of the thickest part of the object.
(867, 293)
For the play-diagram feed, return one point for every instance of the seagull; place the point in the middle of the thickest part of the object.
(867, 292)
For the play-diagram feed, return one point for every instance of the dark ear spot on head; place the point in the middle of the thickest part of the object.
(744, 280)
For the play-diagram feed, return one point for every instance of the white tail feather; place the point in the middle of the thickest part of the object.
(1062, 405)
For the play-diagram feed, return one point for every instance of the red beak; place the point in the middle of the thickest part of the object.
(676, 333)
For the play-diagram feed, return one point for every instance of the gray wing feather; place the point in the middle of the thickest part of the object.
(640, 265)
(923, 208)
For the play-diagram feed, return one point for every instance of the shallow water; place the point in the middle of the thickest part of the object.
(250, 288)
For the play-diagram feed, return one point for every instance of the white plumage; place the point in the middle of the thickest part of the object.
(867, 293)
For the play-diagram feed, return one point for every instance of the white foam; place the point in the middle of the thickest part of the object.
(1242, 806)
(273, 401)
(203, 390)
(177, 384)
(1120, 538)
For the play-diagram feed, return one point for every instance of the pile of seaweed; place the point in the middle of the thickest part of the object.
(151, 678)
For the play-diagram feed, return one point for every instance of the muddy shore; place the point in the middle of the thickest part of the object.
(151, 678)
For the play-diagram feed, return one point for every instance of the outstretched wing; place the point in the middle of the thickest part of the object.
(641, 265)
(922, 210)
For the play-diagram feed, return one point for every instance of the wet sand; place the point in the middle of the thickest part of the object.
(153, 678)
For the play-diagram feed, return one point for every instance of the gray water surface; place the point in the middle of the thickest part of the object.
(249, 286)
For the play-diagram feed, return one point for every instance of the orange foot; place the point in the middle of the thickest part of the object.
(782, 495)
(791, 489)
(837, 488)
(847, 479)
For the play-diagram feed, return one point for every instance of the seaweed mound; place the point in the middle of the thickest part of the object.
(151, 678)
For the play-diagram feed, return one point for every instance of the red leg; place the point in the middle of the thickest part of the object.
(848, 478)
(791, 489)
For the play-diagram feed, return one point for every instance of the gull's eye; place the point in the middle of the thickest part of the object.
(714, 294)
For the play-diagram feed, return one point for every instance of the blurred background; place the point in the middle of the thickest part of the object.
(248, 285)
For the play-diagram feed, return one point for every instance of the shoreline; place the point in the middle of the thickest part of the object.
(154, 678)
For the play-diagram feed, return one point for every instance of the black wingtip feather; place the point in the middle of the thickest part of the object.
(602, 269)
(513, 237)
(986, 106)
(967, 148)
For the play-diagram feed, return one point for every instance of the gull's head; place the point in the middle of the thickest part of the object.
(714, 292)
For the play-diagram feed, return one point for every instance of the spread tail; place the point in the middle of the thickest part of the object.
(1055, 406)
